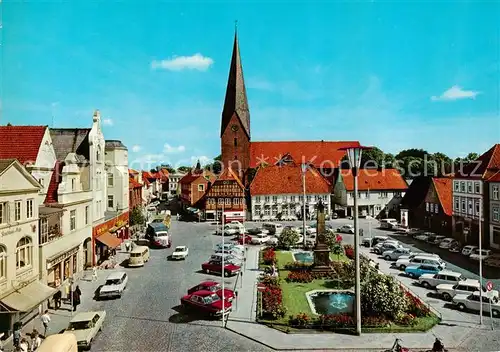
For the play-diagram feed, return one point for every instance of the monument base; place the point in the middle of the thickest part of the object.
(321, 269)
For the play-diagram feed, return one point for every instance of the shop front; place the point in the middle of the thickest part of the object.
(233, 216)
(108, 236)
(62, 267)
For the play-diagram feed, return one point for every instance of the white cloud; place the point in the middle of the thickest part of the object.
(179, 63)
(456, 93)
(107, 122)
(203, 159)
(136, 148)
(168, 149)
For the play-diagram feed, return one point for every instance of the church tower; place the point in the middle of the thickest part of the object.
(235, 127)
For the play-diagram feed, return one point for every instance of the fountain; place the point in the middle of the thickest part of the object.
(331, 301)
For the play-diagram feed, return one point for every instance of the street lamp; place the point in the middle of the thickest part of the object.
(354, 155)
(304, 170)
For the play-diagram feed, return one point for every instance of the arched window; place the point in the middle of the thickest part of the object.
(3, 262)
(24, 253)
(98, 154)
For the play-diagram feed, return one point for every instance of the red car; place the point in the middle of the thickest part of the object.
(206, 302)
(214, 266)
(247, 239)
(214, 287)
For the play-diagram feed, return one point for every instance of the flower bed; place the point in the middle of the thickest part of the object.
(272, 299)
(269, 256)
(349, 251)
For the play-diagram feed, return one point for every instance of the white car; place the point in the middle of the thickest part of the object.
(300, 240)
(468, 250)
(273, 241)
(346, 229)
(260, 238)
(443, 277)
(466, 287)
(394, 254)
(385, 246)
(115, 285)
(483, 255)
(436, 239)
(416, 259)
(231, 252)
(473, 302)
(447, 243)
(151, 208)
(180, 252)
(425, 236)
(230, 246)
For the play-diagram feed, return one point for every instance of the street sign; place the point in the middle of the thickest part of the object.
(261, 287)
(489, 285)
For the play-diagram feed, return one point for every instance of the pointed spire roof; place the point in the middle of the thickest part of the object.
(236, 95)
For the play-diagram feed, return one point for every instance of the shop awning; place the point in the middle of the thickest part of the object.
(109, 240)
(28, 297)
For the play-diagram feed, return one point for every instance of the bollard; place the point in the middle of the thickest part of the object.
(236, 299)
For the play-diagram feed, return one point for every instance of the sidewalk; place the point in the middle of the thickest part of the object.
(60, 318)
(243, 322)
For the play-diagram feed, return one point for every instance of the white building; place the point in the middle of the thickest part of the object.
(379, 192)
(98, 174)
(21, 293)
(117, 176)
(277, 193)
(173, 182)
(494, 196)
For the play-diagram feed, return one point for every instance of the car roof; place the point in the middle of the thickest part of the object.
(158, 225)
(115, 275)
(450, 273)
(470, 246)
(183, 247)
(208, 283)
(85, 316)
(470, 281)
(203, 293)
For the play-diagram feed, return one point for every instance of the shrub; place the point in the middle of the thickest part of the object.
(297, 266)
(416, 307)
(300, 320)
(349, 251)
(272, 303)
(270, 281)
(332, 239)
(269, 256)
(299, 276)
(335, 321)
(406, 319)
(382, 295)
(288, 238)
(374, 320)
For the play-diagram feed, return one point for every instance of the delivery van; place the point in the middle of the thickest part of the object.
(138, 256)
(59, 343)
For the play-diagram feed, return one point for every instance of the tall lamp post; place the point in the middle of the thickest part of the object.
(304, 170)
(354, 155)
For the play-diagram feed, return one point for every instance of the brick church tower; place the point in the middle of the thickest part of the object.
(235, 127)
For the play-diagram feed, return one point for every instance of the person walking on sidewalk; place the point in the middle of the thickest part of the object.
(57, 300)
(23, 346)
(45, 318)
(36, 341)
(76, 298)
(94, 273)
(17, 334)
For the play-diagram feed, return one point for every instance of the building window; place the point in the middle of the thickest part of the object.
(236, 201)
(477, 187)
(469, 187)
(496, 235)
(236, 142)
(98, 153)
(257, 210)
(73, 184)
(40, 181)
(72, 220)
(464, 209)
(462, 186)
(221, 200)
(292, 199)
(267, 211)
(308, 199)
(478, 210)
(383, 194)
(235, 157)
(266, 199)
(228, 201)
(275, 199)
(23, 253)
(257, 199)
(87, 215)
(275, 211)
(495, 214)
(470, 207)
(111, 201)
(426, 206)
(436, 208)
(29, 208)
(111, 180)
(4, 213)
(457, 204)
(457, 186)
(17, 210)
(495, 192)
(44, 230)
(3, 263)
(201, 188)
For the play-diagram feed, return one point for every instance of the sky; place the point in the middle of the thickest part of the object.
(396, 75)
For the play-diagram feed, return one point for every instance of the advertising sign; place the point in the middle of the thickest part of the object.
(404, 217)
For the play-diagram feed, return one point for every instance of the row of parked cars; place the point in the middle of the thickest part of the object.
(231, 254)
(430, 271)
(208, 298)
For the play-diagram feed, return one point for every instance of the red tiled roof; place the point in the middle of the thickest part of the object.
(318, 153)
(373, 179)
(51, 196)
(163, 174)
(133, 183)
(190, 177)
(287, 179)
(133, 172)
(229, 175)
(21, 142)
(495, 177)
(444, 190)
(149, 175)
(484, 166)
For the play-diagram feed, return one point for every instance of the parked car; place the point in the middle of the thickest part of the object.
(206, 302)
(114, 286)
(311, 240)
(180, 252)
(455, 247)
(85, 326)
(272, 241)
(346, 229)
(214, 287)
(480, 255)
(257, 230)
(415, 232)
(473, 302)
(431, 238)
(230, 254)
(372, 241)
(493, 261)
(436, 239)
(228, 230)
(385, 246)
(394, 254)
(215, 266)
(413, 260)
(231, 246)
(415, 271)
(443, 277)
(244, 239)
(466, 287)
(260, 238)
(309, 230)
(228, 258)
(424, 236)
(468, 250)
(447, 243)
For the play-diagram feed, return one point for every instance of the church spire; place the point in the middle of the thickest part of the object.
(236, 96)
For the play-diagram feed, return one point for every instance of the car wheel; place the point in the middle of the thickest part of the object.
(412, 275)
(495, 313)
(387, 257)
(226, 273)
(402, 267)
(426, 284)
(446, 296)
(461, 306)
(207, 271)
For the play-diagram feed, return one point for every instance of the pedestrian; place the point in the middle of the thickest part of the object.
(57, 300)
(36, 341)
(127, 246)
(76, 298)
(24, 346)
(45, 318)
(17, 334)
(94, 273)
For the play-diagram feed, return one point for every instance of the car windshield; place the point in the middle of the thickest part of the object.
(179, 249)
(214, 288)
(211, 299)
(79, 325)
(112, 282)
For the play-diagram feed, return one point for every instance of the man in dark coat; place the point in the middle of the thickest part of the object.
(76, 298)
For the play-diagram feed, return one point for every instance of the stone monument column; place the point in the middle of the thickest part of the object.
(321, 250)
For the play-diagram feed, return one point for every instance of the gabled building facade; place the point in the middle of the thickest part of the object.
(439, 206)
(413, 201)
(194, 185)
(173, 183)
(494, 206)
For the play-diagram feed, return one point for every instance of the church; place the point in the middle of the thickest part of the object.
(266, 177)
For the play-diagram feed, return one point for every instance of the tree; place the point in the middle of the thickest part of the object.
(373, 157)
(137, 217)
(288, 238)
(332, 239)
(184, 169)
(389, 160)
(382, 295)
(471, 157)
(216, 166)
(169, 168)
